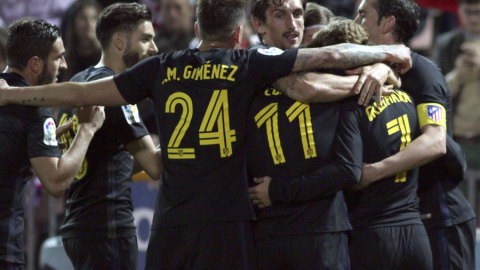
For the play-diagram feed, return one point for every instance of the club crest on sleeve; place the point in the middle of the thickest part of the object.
(434, 112)
(49, 129)
(131, 114)
(270, 51)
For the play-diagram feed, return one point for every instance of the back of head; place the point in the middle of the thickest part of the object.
(340, 30)
(120, 17)
(27, 38)
(406, 13)
(218, 19)
(316, 14)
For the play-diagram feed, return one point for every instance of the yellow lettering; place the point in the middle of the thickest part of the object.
(230, 77)
(171, 74)
(216, 71)
(206, 71)
(222, 73)
(199, 73)
(187, 72)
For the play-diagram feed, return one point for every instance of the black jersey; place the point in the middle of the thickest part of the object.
(441, 202)
(25, 133)
(98, 200)
(369, 135)
(201, 101)
(287, 139)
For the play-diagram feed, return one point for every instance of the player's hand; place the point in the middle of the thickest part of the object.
(400, 55)
(63, 129)
(259, 193)
(91, 117)
(371, 81)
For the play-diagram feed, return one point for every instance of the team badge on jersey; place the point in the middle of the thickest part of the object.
(434, 112)
(131, 113)
(270, 51)
(49, 136)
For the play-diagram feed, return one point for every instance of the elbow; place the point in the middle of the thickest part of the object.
(56, 190)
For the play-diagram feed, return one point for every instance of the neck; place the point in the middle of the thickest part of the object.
(206, 45)
(31, 79)
(112, 61)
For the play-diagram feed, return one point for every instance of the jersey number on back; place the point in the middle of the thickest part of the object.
(215, 127)
(268, 116)
(402, 125)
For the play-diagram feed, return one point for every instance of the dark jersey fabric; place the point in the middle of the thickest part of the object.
(287, 139)
(368, 135)
(98, 202)
(441, 202)
(201, 101)
(23, 132)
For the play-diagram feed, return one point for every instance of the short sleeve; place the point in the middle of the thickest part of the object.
(137, 83)
(270, 64)
(41, 137)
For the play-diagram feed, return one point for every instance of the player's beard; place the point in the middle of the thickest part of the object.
(46, 77)
(131, 57)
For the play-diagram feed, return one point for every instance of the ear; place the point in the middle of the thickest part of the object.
(258, 25)
(35, 65)
(238, 34)
(388, 24)
(119, 41)
(196, 30)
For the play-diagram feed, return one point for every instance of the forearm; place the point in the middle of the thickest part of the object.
(313, 87)
(70, 162)
(342, 56)
(65, 95)
(424, 149)
(319, 184)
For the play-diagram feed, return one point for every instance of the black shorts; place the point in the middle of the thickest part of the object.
(454, 247)
(388, 248)
(307, 251)
(102, 253)
(211, 245)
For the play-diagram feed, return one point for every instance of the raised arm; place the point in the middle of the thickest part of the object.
(315, 87)
(56, 174)
(347, 56)
(63, 95)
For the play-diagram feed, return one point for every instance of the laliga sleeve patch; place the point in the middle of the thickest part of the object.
(131, 114)
(270, 51)
(49, 136)
(432, 113)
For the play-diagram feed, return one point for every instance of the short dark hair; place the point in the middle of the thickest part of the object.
(218, 19)
(120, 17)
(340, 30)
(406, 13)
(316, 14)
(28, 37)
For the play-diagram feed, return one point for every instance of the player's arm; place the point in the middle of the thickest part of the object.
(56, 174)
(146, 156)
(64, 95)
(424, 149)
(314, 87)
(321, 183)
(347, 56)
